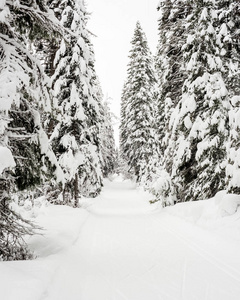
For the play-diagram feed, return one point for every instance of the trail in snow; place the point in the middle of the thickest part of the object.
(127, 251)
(121, 248)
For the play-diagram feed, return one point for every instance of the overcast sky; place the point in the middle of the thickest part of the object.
(113, 23)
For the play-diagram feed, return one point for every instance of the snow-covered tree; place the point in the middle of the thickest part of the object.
(169, 57)
(108, 150)
(23, 95)
(138, 134)
(12, 226)
(26, 92)
(75, 138)
(170, 69)
(201, 116)
(123, 128)
(233, 167)
(229, 35)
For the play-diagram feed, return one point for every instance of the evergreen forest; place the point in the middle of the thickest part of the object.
(179, 134)
(180, 109)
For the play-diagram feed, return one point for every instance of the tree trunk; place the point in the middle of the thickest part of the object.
(76, 191)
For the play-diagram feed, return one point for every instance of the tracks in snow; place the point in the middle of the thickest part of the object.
(125, 251)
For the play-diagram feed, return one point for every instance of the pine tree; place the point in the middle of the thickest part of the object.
(124, 132)
(169, 59)
(201, 117)
(76, 136)
(107, 141)
(123, 128)
(229, 35)
(12, 226)
(138, 135)
(233, 149)
(25, 94)
(170, 69)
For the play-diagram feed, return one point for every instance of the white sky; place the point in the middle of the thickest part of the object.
(113, 22)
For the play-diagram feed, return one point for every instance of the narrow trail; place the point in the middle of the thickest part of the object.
(127, 251)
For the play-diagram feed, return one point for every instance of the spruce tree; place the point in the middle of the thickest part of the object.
(123, 136)
(123, 128)
(108, 151)
(170, 70)
(138, 134)
(76, 136)
(169, 59)
(201, 117)
(24, 96)
(228, 23)
(229, 35)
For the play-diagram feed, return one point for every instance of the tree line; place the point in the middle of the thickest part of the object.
(180, 130)
(56, 135)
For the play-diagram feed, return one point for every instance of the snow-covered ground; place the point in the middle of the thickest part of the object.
(119, 247)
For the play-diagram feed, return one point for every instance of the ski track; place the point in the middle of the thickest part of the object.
(231, 271)
(121, 248)
(126, 251)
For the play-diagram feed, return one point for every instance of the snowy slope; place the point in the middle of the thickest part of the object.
(120, 247)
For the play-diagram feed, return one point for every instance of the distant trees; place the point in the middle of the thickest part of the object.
(138, 132)
(108, 151)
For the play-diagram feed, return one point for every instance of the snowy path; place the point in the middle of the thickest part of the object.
(123, 249)
(127, 252)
